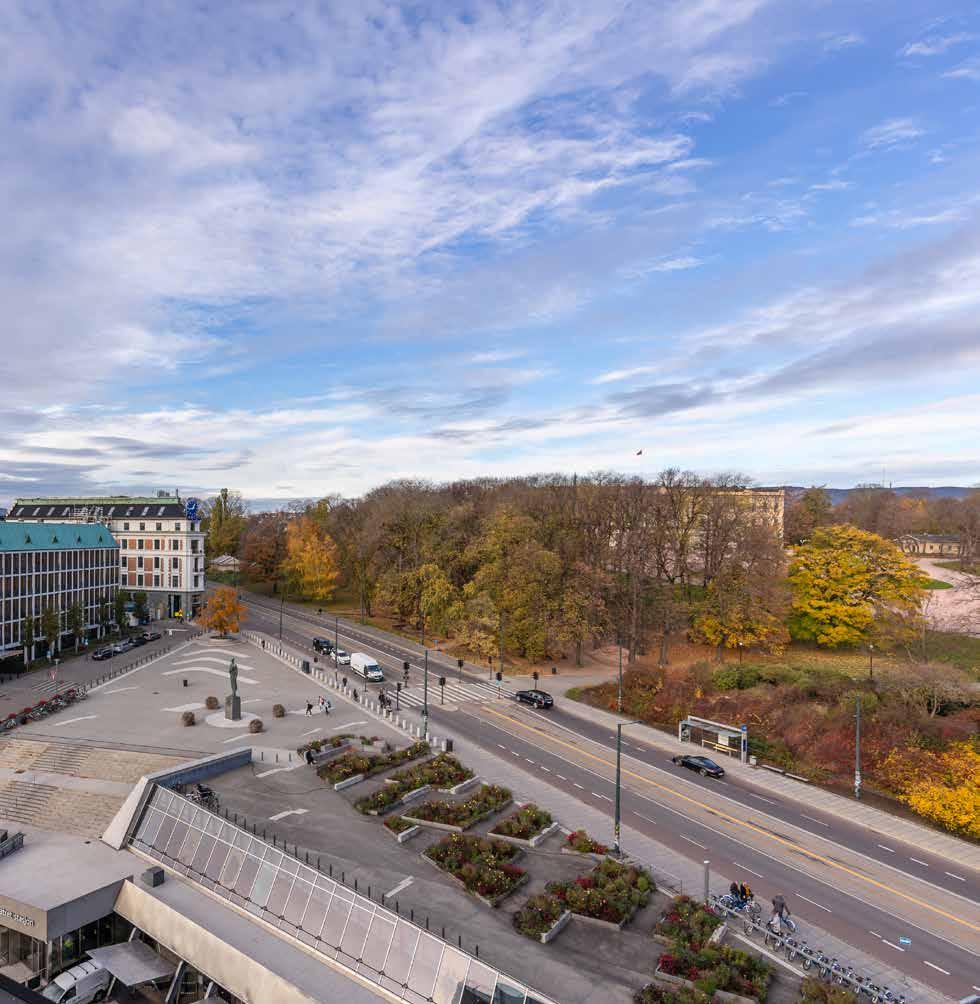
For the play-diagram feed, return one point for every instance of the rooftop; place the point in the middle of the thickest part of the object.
(54, 536)
(98, 500)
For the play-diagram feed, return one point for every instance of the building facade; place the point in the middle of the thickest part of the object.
(161, 545)
(54, 566)
(939, 545)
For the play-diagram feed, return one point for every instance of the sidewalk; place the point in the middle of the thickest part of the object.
(801, 792)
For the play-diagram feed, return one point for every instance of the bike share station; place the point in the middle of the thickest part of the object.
(732, 740)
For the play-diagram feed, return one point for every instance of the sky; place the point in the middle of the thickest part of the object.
(300, 249)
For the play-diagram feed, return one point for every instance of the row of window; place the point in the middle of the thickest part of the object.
(124, 562)
(53, 582)
(155, 544)
(137, 579)
(55, 560)
(177, 527)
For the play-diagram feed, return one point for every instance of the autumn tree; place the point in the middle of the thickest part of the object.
(51, 629)
(805, 514)
(224, 520)
(28, 638)
(76, 623)
(949, 793)
(223, 612)
(120, 600)
(310, 563)
(263, 547)
(141, 606)
(845, 580)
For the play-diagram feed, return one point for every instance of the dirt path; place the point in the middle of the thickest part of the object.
(956, 609)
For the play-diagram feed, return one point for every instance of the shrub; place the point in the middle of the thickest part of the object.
(255, 725)
(212, 703)
(524, 824)
(537, 915)
(653, 993)
(187, 718)
(580, 841)
(612, 891)
(726, 678)
(397, 824)
(815, 991)
(489, 798)
(278, 711)
(483, 866)
(688, 922)
(442, 771)
(356, 763)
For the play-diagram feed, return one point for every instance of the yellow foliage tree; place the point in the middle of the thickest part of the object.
(843, 580)
(310, 564)
(223, 612)
(953, 799)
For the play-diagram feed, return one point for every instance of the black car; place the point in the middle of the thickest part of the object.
(324, 645)
(138, 639)
(102, 653)
(151, 636)
(537, 698)
(704, 766)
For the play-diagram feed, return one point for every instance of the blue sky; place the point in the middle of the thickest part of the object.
(301, 248)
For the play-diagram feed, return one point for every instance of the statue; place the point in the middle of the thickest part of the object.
(233, 703)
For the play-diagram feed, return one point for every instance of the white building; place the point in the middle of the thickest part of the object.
(161, 545)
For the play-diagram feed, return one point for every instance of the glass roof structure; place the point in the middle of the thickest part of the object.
(348, 928)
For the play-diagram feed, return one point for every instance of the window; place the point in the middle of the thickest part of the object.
(159, 527)
(139, 561)
(122, 562)
(156, 580)
(175, 581)
(175, 562)
(156, 542)
(139, 543)
(139, 580)
(177, 527)
(142, 526)
(197, 581)
(125, 526)
(156, 560)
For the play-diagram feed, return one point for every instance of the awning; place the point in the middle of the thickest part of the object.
(132, 962)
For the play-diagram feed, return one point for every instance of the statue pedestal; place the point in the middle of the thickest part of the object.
(233, 708)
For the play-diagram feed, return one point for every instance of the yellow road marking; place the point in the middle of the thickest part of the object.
(792, 845)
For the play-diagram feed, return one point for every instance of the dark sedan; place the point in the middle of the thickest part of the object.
(537, 698)
(102, 653)
(704, 766)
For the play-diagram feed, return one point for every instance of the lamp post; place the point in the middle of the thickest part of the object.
(739, 653)
(282, 604)
(425, 698)
(857, 750)
(617, 848)
(336, 635)
(871, 662)
(619, 692)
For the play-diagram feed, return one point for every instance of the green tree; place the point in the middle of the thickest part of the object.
(141, 602)
(28, 636)
(224, 521)
(51, 629)
(119, 608)
(846, 583)
(105, 618)
(76, 622)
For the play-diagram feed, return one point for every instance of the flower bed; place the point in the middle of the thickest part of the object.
(718, 967)
(397, 824)
(317, 745)
(483, 867)
(443, 771)
(653, 993)
(385, 799)
(539, 917)
(488, 799)
(356, 763)
(612, 892)
(581, 843)
(524, 824)
(689, 922)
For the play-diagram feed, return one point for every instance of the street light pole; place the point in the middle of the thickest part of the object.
(425, 698)
(871, 662)
(857, 751)
(739, 653)
(336, 634)
(619, 693)
(282, 604)
(617, 843)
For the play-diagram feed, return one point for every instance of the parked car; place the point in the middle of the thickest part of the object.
(81, 984)
(702, 764)
(138, 640)
(538, 698)
(123, 646)
(340, 657)
(151, 636)
(367, 667)
(324, 645)
(106, 652)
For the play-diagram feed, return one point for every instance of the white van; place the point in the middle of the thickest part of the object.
(81, 984)
(367, 667)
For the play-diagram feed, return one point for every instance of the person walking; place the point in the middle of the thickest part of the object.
(309, 709)
(354, 695)
(327, 706)
(343, 682)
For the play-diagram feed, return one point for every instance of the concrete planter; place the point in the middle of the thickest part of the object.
(596, 922)
(531, 842)
(719, 996)
(356, 779)
(661, 940)
(415, 794)
(411, 796)
(452, 828)
(412, 831)
(492, 903)
(330, 753)
(559, 925)
(463, 786)
(581, 854)
(445, 827)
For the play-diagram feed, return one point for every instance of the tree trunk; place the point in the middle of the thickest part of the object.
(578, 652)
(664, 641)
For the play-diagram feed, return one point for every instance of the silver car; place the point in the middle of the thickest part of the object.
(340, 657)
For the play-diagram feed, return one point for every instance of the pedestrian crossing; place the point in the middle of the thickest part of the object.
(49, 686)
(455, 693)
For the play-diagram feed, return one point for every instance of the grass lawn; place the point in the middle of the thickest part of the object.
(937, 584)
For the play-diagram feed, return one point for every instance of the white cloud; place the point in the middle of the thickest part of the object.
(495, 356)
(969, 70)
(788, 98)
(835, 43)
(615, 376)
(891, 133)
(935, 45)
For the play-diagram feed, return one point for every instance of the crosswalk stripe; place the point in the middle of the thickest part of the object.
(455, 693)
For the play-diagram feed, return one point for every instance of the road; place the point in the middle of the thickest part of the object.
(837, 876)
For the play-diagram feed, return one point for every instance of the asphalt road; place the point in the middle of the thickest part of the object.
(949, 963)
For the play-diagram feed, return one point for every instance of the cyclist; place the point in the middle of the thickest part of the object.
(781, 911)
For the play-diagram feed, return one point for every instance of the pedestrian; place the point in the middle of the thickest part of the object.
(745, 892)
(779, 905)
(355, 695)
(327, 706)
(309, 757)
(343, 682)
(734, 891)
(321, 702)
(309, 708)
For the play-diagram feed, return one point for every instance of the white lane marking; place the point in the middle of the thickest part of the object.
(745, 868)
(959, 877)
(234, 739)
(819, 822)
(562, 776)
(187, 707)
(398, 888)
(752, 794)
(891, 850)
(121, 690)
(279, 770)
(208, 670)
(647, 818)
(501, 746)
(925, 864)
(349, 725)
(288, 812)
(815, 903)
(547, 770)
(875, 933)
(606, 797)
(577, 785)
(84, 718)
(515, 753)
(884, 941)
(945, 972)
(690, 841)
(311, 732)
(529, 760)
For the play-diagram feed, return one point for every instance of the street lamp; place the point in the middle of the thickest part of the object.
(619, 693)
(617, 849)
(425, 698)
(857, 750)
(739, 653)
(871, 662)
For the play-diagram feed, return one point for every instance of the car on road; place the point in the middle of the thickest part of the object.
(340, 657)
(138, 640)
(103, 653)
(702, 764)
(151, 636)
(536, 698)
(324, 645)
(123, 646)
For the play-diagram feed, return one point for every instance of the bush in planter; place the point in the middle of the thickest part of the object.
(580, 841)
(527, 822)
(212, 703)
(538, 915)
(187, 718)
(278, 711)
(653, 993)
(815, 991)
(612, 891)
(255, 725)
(397, 824)
(718, 967)
(688, 921)
(488, 798)
(483, 866)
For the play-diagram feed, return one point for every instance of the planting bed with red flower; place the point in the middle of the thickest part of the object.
(581, 842)
(483, 866)
(488, 798)
(612, 892)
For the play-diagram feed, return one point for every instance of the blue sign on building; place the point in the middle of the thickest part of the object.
(190, 507)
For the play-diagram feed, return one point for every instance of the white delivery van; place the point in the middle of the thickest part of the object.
(81, 984)
(367, 667)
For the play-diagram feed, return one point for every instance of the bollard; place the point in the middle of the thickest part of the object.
(477, 951)
(343, 877)
(427, 922)
(318, 862)
(460, 941)
(443, 932)
(355, 883)
(331, 869)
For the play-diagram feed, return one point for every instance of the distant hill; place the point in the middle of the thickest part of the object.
(837, 495)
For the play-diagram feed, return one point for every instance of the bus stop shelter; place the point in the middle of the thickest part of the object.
(733, 740)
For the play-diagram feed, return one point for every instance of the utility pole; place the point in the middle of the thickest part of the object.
(501, 642)
(425, 699)
(336, 635)
(857, 751)
(619, 695)
(617, 844)
(871, 662)
(282, 604)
